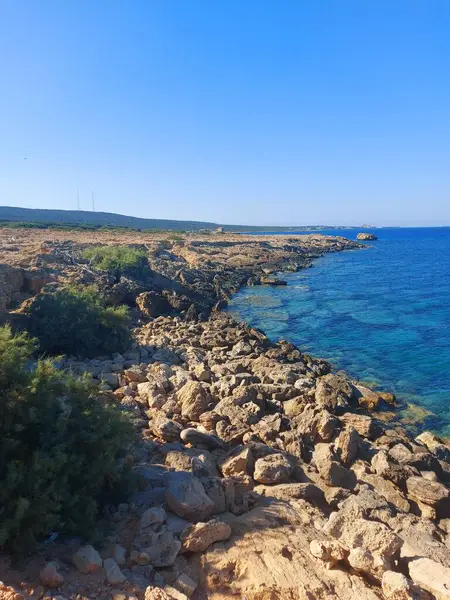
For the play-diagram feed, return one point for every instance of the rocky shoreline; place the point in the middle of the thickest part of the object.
(264, 474)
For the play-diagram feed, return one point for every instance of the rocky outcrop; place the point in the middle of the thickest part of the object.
(366, 236)
(262, 473)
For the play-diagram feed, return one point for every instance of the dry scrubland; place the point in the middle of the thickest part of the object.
(258, 472)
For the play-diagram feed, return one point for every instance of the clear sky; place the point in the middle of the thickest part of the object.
(234, 111)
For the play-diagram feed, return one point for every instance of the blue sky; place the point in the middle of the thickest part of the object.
(235, 111)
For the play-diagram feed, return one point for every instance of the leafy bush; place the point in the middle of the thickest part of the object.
(118, 260)
(60, 449)
(75, 321)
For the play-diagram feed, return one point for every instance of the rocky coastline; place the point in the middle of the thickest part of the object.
(264, 474)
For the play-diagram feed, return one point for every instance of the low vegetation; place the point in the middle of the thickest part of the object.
(60, 451)
(118, 260)
(75, 321)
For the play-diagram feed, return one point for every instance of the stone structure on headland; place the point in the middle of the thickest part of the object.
(266, 475)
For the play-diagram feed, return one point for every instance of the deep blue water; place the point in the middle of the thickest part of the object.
(382, 314)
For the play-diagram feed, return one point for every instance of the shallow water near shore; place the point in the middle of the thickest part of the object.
(382, 314)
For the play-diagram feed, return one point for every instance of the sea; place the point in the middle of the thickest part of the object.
(382, 314)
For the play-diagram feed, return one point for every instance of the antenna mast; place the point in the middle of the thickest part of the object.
(93, 202)
(78, 200)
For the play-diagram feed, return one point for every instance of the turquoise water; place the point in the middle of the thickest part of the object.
(382, 314)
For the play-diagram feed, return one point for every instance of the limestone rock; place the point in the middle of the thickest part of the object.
(330, 470)
(195, 437)
(50, 577)
(367, 399)
(366, 236)
(198, 537)
(327, 551)
(186, 497)
(155, 593)
(87, 559)
(194, 400)
(166, 429)
(161, 547)
(431, 493)
(431, 576)
(273, 469)
(238, 463)
(114, 575)
(396, 586)
(434, 445)
(185, 585)
(153, 516)
(347, 445)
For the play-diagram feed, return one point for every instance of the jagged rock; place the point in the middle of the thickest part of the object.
(209, 420)
(240, 462)
(367, 399)
(50, 577)
(434, 445)
(364, 425)
(153, 397)
(186, 496)
(202, 373)
(292, 491)
(429, 493)
(161, 547)
(194, 400)
(135, 374)
(152, 304)
(185, 584)
(195, 437)
(335, 495)
(156, 593)
(152, 516)
(373, 547)
(114, 575)
(333, 392)
(198, 537)
(431, 576)
(396, 586)
(273, 469)
(330, 470)
(87, 559)
(327, 551)
(295, 406)
(215, 490)
(164, 428)
(348, 445)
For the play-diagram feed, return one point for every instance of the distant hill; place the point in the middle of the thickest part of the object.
(99, 219)
(48, 218)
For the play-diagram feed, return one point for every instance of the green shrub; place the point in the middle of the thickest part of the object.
(118, 260)
(75, 321)
(61, 449)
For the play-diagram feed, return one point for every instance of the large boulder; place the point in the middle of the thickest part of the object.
(431, 576)
(273, 469)
(87, 559)
(198, 537)
(330, 470)
(161, 546)
(164, 428)
(198, 438)
(432, 494)
(186, 497)
(152, 304)
(435, 445)
(194, 400)
(333, 392)
(240, 462)
(373, 547)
